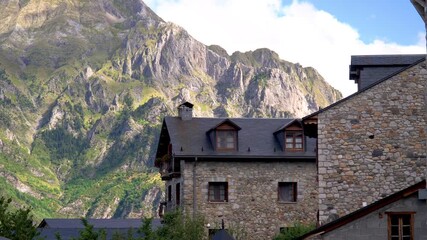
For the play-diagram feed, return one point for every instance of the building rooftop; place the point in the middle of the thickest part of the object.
(257, 137)
(377, 60)
(70, 228)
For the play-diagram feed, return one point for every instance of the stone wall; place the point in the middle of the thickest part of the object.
(253, 205)
(372, 144)
(172, 205)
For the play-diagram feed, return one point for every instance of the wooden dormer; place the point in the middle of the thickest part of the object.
(291, 137)
(224, 136)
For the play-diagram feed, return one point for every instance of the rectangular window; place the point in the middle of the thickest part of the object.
(400, 226)
(226, 139)
(169, 193)
(218, 192)
(287, 191)
(294, 140)
(178, 193)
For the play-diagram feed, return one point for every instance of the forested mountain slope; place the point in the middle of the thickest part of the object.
(84, 86)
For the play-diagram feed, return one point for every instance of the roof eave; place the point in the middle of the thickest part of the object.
(244, 157)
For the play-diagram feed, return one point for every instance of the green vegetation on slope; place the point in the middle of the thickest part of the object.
(84, 86)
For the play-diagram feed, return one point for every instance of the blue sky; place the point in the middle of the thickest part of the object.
(389, 20)
(323, 34)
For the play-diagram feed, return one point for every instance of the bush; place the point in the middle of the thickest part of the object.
(294, 232)
(177, 226)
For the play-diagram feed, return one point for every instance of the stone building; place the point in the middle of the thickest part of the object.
(372, 143)
(258, 175)
(402, 215)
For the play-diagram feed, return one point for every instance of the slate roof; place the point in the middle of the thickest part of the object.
(74, 233)
(365, 210)
(256, 138)
(364, 89)
(381, 60)
(368, 69)
(97, 223)
(293, 121)
(70, 228)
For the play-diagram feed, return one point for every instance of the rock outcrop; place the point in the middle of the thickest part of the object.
(84, 86)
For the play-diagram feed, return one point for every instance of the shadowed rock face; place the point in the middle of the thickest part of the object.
(84, 86)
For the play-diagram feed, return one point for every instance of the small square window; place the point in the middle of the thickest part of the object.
(218, 192)
(287, 191)
(294, 140)
(226, 139)
(400, 226)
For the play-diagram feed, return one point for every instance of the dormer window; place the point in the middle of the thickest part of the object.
(291, 136)
(294, 140)
(224, 136)
(225, 139)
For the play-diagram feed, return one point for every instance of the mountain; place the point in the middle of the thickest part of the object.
(84, 86)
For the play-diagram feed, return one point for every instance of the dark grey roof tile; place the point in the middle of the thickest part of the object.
(255, 138)
(369, 60)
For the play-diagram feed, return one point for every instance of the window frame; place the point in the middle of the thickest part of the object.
(217, 137)
(170, 193)
(399, 216)
(280, 188)
(216, 196)
(294, 143)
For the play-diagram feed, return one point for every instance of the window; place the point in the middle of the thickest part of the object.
(170, 149)
(287, 191)
(294, 140)
(218, 192)
(178, 193)
(400, 226)
(226, 139)
(169, 193)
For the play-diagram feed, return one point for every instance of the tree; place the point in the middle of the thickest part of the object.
(177, 226)
(18, 224)
(146, 230)
(88, 233)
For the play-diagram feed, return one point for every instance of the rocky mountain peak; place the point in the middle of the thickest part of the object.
(84, 86)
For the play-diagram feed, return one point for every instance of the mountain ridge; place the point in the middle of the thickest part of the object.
(84, 86)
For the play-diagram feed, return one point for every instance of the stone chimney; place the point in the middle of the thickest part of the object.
(185, 111)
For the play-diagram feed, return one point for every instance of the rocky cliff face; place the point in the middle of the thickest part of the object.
(83, 88)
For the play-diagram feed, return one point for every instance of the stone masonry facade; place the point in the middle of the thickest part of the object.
(372, 144)
(253, 205)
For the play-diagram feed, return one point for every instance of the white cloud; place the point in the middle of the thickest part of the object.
(298, 33)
